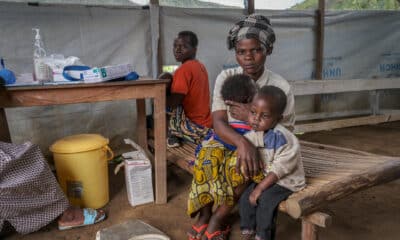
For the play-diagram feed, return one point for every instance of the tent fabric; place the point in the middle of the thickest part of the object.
(357, 45)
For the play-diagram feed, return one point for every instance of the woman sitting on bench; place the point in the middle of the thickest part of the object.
(253, 40)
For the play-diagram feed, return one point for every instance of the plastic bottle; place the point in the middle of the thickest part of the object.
(41, 72)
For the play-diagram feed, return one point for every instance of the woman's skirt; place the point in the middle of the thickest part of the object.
(214, 178)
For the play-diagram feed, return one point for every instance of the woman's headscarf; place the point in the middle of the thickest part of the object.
(253, 26)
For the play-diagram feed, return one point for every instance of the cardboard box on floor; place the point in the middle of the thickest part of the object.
(138, 176)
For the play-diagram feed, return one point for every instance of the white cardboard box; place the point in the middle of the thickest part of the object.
(138, 176)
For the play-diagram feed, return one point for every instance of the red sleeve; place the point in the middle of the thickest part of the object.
(181, 80)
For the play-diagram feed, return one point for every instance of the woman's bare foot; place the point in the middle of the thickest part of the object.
(197, 230)
(217, 229)
(73, 217)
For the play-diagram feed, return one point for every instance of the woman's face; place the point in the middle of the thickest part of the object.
(251, 57)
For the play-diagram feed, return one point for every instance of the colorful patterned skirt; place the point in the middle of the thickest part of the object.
(214, 177)
(180, 126)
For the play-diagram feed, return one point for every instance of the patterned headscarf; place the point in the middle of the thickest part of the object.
(253, 26)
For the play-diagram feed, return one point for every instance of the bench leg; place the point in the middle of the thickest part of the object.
(309, 231)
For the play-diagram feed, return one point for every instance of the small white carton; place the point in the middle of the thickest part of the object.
(138, 176)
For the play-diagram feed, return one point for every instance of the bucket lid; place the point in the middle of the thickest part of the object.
(79, 143)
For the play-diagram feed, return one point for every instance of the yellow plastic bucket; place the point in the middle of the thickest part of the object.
(82, 168)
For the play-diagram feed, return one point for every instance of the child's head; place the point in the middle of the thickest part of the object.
(267, 108)
(185, 46)
(238, 88)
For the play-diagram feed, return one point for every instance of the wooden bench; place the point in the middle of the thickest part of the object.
(332, 173)
(330, 120)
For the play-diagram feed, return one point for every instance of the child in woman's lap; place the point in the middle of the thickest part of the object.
(283, 169)
(279, 150)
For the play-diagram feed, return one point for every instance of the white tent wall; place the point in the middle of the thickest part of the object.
(98, 36)
(357, 45)
(360, 44)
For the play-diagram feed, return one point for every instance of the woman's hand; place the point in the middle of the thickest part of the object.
(247, 159)
(254, 195)
(239, 111)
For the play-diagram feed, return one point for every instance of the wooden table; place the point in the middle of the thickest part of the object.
(96, 92)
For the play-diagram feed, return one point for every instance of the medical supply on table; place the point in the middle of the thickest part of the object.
(106, 73)
(57, 63)
(41, 71)
(74, 72)
(6, 74)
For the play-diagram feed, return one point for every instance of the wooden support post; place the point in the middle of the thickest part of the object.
(4, 130)
(309, 231)
(319, 50)
(141, 128)
(374, 102)
(160, 146)
(250, 7)
(155, 35)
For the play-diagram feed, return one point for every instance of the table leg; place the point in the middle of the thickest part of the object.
(141, 123)
(160, 145)
(4, 131)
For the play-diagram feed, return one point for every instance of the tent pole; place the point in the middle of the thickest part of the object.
(320, 34)
(250, 7)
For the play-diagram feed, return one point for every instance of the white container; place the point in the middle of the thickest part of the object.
(138, 176)
(41, 71)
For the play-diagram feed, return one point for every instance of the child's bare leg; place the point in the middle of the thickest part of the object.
(197, 230)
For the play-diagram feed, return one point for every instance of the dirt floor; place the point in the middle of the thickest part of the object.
(369, 215)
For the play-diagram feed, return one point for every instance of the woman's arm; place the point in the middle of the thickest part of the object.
(247, 154)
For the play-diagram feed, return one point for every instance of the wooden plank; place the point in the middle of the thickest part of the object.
(160, 145)
(44, 97)
(322, 115)
(4, 130)
(342, 123)
(319, 218)
(310, 87)
(305, 203)
(140, 81)
(141, 128)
